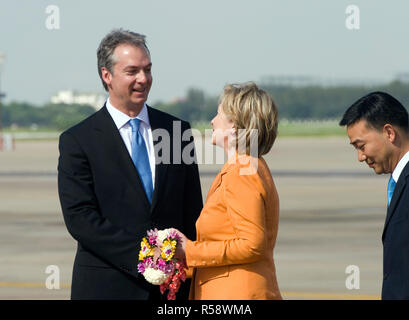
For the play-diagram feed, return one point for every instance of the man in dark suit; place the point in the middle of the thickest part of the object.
(121, 173)
(377, 126)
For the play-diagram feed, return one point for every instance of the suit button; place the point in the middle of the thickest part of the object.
(385, 276)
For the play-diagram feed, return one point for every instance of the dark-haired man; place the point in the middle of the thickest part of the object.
(377, 126)
(113, 186)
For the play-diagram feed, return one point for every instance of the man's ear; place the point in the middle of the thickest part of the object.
(390, 132)
(106, 76)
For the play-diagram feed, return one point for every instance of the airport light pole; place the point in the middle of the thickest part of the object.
(2, 58)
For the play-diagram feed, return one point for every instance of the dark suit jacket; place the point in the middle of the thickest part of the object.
(395, 240)
(106, 209)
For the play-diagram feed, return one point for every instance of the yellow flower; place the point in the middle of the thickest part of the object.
(168, 249)
(146, 249)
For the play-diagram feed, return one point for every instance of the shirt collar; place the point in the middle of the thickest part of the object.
(400, 166)
(122, 119)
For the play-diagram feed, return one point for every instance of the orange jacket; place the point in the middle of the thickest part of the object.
(236, 233)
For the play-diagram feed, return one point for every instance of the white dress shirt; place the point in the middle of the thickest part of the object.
(122, 123)
(400, 166)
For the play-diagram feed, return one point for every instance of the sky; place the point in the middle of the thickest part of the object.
(200, 44)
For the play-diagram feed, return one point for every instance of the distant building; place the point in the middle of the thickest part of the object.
(403, 77)
(304, 81)
(290, 80)
(96, 100)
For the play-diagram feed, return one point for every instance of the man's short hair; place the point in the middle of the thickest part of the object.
(377, 109)
(116, 37)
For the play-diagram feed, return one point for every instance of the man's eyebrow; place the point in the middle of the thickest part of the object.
(355, 142)
(137, 67)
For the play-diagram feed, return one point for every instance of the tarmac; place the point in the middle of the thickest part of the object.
(332, 211)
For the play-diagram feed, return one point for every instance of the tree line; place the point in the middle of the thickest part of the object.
(294, 103)
(50, 116)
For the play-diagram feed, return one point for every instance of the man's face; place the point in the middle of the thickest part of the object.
(131, 79)
(373, 146)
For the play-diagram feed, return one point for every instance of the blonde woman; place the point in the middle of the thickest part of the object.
(237, 228)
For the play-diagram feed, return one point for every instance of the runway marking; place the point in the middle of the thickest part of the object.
(285, 294)
(29, 285)
(205, 173)
(325, 296)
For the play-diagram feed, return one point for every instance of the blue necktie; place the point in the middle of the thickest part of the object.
(391, 188)
(140, 158)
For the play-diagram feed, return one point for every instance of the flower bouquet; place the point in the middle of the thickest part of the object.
(157, 262)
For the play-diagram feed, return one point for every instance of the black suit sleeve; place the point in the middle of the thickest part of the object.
(192, 198)
(84, 222)
(193, 201)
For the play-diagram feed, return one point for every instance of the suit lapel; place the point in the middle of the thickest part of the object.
(400, 185)
(112, 141)
(160, 168)
(218, 180)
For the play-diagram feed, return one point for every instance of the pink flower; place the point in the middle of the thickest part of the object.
(174, 268)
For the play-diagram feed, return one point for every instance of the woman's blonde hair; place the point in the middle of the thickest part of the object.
(254, 115)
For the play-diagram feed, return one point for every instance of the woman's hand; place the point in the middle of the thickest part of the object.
(180, 249)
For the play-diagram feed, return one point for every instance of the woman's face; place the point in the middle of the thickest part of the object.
(223, 128)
